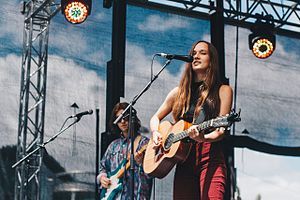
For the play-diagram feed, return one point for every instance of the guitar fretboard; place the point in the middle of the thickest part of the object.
(201, 127)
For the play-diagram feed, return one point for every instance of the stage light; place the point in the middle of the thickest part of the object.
(76, 11)
(262, 47)
(262, 41)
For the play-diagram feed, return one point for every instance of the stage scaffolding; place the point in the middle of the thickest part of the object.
(37, 16)
(241, 13)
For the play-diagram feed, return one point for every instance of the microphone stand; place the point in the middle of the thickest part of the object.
(49, 140)
(130, 129)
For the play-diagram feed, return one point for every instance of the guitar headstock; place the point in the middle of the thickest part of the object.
(227, 120)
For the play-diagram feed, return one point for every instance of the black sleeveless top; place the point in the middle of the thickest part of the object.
(189, 115)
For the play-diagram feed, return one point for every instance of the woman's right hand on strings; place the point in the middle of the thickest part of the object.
(157, 139)
(105, 182)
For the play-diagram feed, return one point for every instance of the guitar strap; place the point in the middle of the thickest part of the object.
(136, 142)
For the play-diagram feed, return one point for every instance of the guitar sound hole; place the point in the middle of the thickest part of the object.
(169, 141)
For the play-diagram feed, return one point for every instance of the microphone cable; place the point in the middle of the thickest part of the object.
(152, 61)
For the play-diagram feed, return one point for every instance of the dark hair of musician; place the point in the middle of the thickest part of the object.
(114, 127)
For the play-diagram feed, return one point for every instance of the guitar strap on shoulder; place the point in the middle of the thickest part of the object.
(136, 142)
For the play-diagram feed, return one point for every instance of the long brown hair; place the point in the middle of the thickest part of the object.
(114, 127)
(209, 92)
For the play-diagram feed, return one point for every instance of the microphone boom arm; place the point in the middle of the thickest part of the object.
(45, 143)
(131, 104)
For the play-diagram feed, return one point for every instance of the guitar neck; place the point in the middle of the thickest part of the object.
(201, 127)
(122, 170)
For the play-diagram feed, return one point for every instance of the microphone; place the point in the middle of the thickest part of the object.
(79, 115)
(127, 114)
(124, 116)
(185, 58)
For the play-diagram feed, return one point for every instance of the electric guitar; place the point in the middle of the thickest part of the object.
(116, 179)
(159, 161)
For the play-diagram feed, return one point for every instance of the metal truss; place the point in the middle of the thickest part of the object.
(38, 14)
(285, 13)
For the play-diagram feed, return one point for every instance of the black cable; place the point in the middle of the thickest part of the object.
(152, 66)
(233, 172)
(64, 123)
(97, 186)
(153, 57)
(236, 71)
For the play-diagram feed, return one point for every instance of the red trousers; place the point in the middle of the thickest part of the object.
(199, 182)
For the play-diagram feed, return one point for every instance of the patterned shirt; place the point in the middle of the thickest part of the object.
(114, 157)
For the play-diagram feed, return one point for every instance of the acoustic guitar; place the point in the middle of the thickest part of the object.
(159, 161)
